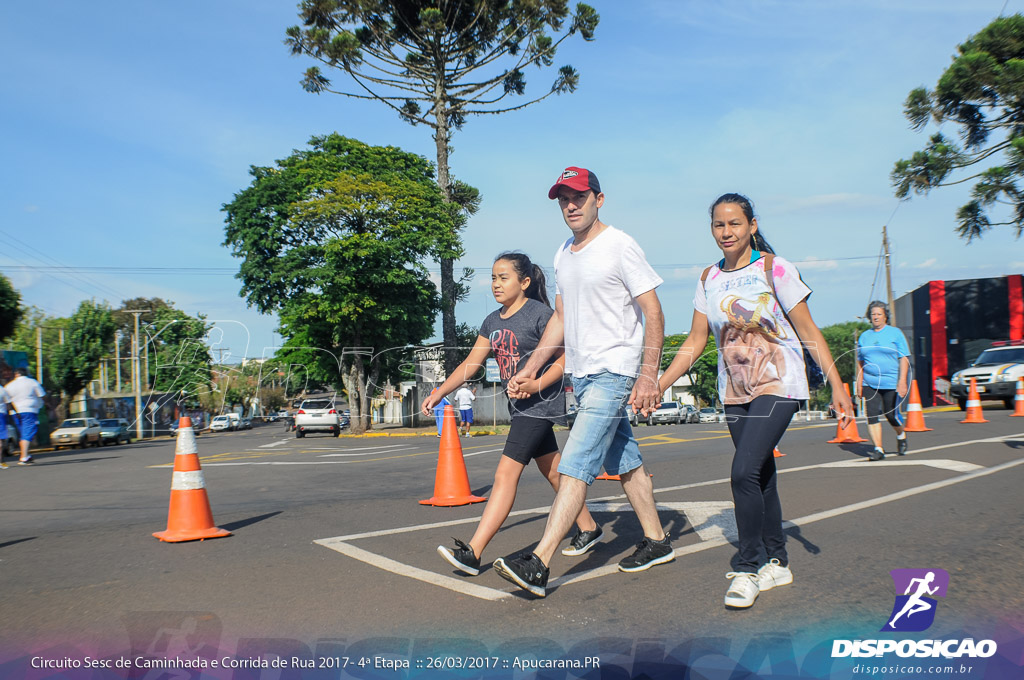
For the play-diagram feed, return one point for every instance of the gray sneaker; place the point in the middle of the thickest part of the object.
(647, 554)
(583, 541)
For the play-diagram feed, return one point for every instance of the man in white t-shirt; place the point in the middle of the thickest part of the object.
(26, 397)
(604, 291)
(464, 397)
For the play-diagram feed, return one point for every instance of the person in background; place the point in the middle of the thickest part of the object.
(26, 397)
(465, 397)
(883, 370)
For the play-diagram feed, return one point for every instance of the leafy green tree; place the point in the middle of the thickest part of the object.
(179, 358)
(982, 93)
(87, 336)
(25, 336)
(435, 63)
(10, 308)
(842, 342)
(334, 239)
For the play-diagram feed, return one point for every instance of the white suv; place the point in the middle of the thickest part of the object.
(317, 415)
(995, 372)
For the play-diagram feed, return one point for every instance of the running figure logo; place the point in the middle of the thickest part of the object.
(914, 610)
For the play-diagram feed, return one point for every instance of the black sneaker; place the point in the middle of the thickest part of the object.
(901, 447)
(583, 541)
(526, 571)
(876, 455)
(462, 557)
(648, 553)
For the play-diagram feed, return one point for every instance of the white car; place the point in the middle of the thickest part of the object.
(221, 424)
(317, 415)
(995, 372)
(669, 412)
(78, 432)
(708, 415)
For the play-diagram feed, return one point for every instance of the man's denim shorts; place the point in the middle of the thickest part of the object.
(601, 434)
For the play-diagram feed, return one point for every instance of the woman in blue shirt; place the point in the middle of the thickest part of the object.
(883, 370)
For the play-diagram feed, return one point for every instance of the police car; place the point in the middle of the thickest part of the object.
(995, 372)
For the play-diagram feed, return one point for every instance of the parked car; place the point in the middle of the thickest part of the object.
(709, 415)
(690, 414)
(79, 432)
(317, 415)
(636, 418)
(669, 412)
(245, 424)
(115, 431)
(221, 424)
(995, 372)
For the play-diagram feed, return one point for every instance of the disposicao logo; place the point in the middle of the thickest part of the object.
(914, 610)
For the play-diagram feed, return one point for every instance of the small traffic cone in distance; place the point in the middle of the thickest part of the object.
(605, 475)
(777, 454)
(974, 414)
(915, 416)
(451, 483)
(189, 517)
(848, 434)
(1018, 401)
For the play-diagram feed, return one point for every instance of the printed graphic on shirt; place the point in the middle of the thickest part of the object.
(759, 353)
(505, 346)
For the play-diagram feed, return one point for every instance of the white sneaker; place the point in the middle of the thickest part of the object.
(743, 590)
(773, 574)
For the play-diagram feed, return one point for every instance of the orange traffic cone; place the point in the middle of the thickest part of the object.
(1018, 401)
(605, 475)
(848, 434)
(777, 454)
(974, 414)
(451, 484)
(189, 517)
(915, 416)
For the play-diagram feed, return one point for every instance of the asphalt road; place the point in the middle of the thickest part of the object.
(332, 555)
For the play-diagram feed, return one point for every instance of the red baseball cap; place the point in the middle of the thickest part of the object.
(579, 179)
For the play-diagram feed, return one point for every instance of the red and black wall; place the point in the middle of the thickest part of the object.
(951, 322)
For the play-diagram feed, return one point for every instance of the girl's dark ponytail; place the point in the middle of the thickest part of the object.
(525, 269)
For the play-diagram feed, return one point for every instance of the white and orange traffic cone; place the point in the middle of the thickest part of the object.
(848, 434)
(189, 517)
(777, 454)
(451, 482)
(1018, 401)
(974, 413)
(915, 416)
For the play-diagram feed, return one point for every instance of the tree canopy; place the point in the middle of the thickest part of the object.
(704, 371)
(982, 94)
(87, 336)
(10, 308)
(334, 239)
(435, 62)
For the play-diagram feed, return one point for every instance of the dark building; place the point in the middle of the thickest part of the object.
(949, 323)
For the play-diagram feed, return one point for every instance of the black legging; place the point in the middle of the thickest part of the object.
(756, 429)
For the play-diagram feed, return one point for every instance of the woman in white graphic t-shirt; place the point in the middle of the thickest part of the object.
(755, 305)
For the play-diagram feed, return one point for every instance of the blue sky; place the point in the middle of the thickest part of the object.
(129, 124)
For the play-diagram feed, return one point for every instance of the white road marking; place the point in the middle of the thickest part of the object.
(369, 448)
(273, 444)
(477, 453)
(940, 463)
(458, 585)
(367, 453)
(708, 519)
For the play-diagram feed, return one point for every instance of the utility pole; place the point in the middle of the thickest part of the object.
(888, 278)
(136, 378)
(117, 360)
(39, 354)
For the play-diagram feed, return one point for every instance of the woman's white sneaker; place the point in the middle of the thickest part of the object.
(743, 590)
(773, 574)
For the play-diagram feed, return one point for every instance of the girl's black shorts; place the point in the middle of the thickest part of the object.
(529, 438)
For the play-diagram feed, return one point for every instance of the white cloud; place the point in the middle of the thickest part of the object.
(31, 208)
(813, 263)
(927, 264)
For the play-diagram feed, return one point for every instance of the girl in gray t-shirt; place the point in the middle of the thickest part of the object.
(511, 333)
